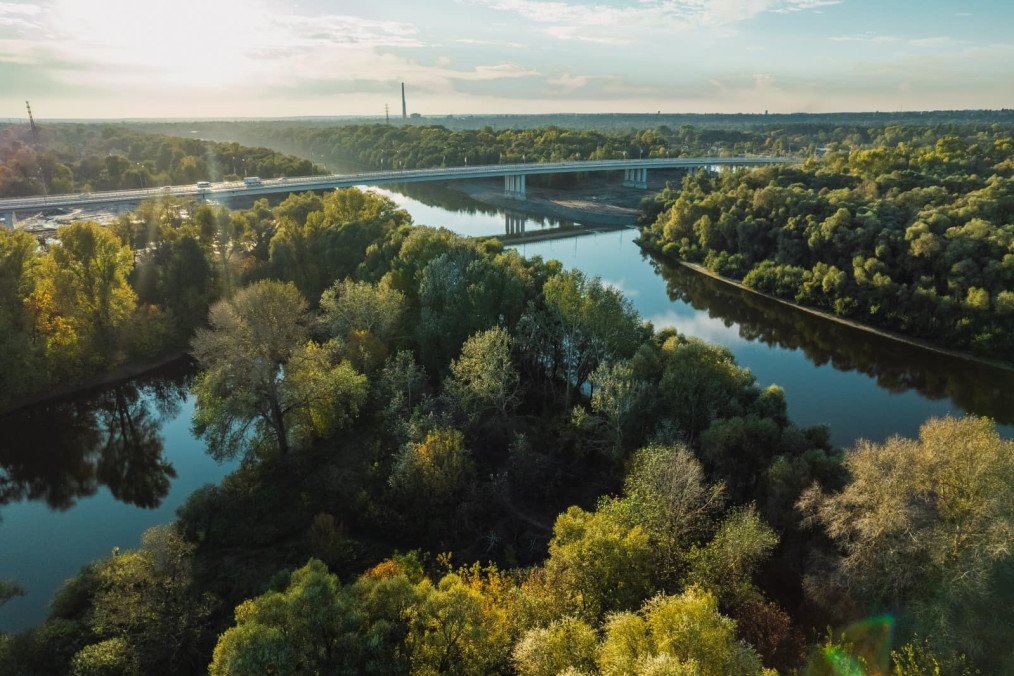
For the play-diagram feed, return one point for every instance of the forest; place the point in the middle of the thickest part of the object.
(459, 460)
(493, 140)
(914, 233)
(68, 158)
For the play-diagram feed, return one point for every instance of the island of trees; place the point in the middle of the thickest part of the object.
(459, 460)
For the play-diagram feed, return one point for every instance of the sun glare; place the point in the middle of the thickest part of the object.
(183, 42)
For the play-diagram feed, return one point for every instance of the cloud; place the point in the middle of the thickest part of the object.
(628, 22)
(19, 17)
(872, 37)
(19, 9)
(566, 82)
(938, 41)
(497, 72)
(344, 29)
(699, 325)
(621, 286)
(489, 43)
(868, 36)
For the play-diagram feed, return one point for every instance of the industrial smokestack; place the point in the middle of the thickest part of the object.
(404, 108)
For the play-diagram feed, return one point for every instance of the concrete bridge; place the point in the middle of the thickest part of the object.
(635, 175)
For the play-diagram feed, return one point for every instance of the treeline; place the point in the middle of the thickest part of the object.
(416, 146)
(71, 158)
(401, 389)
(914, 233)
(611, 122)
(419, 145)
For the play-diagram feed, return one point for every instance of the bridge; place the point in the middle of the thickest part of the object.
(635, 174)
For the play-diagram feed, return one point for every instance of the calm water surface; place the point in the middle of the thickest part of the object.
(82, 476)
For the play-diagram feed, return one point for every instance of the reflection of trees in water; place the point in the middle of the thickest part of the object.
(442, 196)
(897, 367)
(61, 451)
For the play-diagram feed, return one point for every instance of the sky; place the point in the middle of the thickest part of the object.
(269, 58)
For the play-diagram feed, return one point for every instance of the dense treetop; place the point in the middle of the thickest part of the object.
(914, 234)
(81, 158)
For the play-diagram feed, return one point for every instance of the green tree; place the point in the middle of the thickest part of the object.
(308, 628)
(332, 242)
(619, 398)
(568, 643)
(682, 634)
(452, 631)
(20, 357)
(667, 495)
(701, 382)
(597, 564)
(112, 657)
(483, 379)
(260, 373)
(727, 565)
(350, 306)
(367, 319)
(595, 324)
(434, 469)
(926, 524)
(148, 598)
(88, 272)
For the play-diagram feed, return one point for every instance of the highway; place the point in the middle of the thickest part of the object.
(220, 191)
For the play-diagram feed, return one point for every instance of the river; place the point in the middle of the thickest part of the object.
(86, 474)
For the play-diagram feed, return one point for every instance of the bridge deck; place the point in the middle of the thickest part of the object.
(330, 181)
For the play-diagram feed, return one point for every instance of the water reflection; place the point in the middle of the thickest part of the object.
(64, 450)
(514, 224)
(444, 197)
(896, 367)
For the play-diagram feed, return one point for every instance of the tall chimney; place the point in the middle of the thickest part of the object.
(404, 108)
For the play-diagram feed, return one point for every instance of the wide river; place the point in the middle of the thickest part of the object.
(85, 475)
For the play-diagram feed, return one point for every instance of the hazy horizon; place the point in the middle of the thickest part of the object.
(396, 119)
(117, 59)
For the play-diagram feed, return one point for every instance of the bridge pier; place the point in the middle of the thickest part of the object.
(515, 225)
(9, 220)
(635, 178)
(514, 186)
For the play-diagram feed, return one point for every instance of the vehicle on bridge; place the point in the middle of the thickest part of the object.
(252, 181)
(204, 185)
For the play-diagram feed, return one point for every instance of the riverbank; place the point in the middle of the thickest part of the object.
(883, 333)
(112, 376)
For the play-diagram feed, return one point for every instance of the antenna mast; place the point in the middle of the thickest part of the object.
(31, 121)
(404, 108)
(387, 114)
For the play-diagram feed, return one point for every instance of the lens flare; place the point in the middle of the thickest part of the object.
(861, 649)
